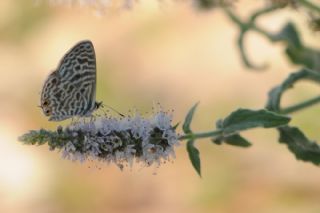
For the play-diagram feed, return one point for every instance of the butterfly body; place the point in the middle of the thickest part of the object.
(70, 90)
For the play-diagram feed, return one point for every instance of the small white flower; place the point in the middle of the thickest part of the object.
(69, 147)
(162, 120)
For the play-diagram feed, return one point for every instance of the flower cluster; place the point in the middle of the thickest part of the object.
(113, 140)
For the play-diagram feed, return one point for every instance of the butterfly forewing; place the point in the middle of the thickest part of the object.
(70, 90)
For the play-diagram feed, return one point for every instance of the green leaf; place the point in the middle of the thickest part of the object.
(176, 126)
(296, 51)
(234, 140)
(243, 119)
(300, 145)
(307, 57)
(237, 140)
(194, 156)
(290, 34)
(186, 125)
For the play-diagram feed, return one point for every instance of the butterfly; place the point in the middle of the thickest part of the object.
(70, 90)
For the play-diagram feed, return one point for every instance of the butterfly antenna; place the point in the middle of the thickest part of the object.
(104, 105)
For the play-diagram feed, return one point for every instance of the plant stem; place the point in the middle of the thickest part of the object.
(234, 18)
(287, 110)
(300, 106)
(193, 136)
(263, 11)
(250, 25)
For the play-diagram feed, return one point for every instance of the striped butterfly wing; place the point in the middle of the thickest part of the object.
(70, 90)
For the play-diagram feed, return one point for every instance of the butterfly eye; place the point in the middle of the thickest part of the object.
(48, 111)
(45, 103)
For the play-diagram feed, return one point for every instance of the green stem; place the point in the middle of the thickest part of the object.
(245, 26)
(300, 106)
(268, 35)
(193, 136)
(234, 18)
(263, 11)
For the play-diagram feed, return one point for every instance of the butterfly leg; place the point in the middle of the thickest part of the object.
(92, 118)
(78, 120)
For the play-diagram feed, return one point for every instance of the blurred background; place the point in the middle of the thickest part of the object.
(167, 52)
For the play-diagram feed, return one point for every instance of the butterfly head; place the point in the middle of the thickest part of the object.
(98, 105)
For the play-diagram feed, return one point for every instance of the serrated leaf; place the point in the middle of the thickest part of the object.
(234, 140)
(237, 140)
(194, 156)
(186, 125)
(243, 119)
(300, 145)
